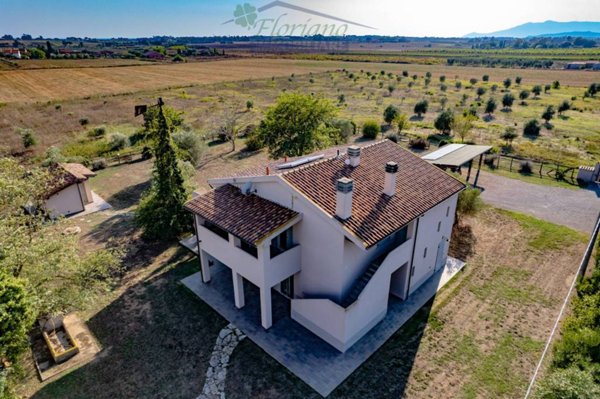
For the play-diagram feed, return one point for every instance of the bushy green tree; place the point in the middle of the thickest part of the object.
(564, 106)
(37, 54)
(537, 90)
(524, 95)
(390, 113)
(190, 146)
(444, 122)
(510, 133)
(298, 124)
(532, 128)
(508, 100)
(507, 83)
(480, 92)
(421, 107)
(151, 119)
(548, 113)
(490, 106)
(160, 213)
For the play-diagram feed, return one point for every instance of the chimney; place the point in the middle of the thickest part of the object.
(354, 155)
(389, 186)
(343, 205)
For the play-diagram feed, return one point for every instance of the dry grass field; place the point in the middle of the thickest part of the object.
(39, 85)
(73, 63)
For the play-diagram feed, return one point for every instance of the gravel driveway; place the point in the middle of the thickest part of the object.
(574, 208)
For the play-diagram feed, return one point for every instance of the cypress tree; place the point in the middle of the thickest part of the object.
(161, 212)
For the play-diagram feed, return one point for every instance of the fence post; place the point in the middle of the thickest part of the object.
(511, 161)
(557, 171)
(541, 166)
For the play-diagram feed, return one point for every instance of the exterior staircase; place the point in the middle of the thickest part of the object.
(361, 283)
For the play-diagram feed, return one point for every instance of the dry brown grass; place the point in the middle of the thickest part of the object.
(58, 84)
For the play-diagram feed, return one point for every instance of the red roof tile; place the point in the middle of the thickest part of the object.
(248, 217)
(419, 187)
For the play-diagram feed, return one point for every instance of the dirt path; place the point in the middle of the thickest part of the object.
(574, 208)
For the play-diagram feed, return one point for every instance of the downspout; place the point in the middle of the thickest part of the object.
(412, 257)
(198, 245)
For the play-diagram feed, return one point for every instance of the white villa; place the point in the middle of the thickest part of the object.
(336, 233)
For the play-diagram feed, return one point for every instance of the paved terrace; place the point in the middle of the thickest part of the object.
(314, 361)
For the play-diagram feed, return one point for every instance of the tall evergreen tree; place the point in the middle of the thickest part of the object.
(161, 212)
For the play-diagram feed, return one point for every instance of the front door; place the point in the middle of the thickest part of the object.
(440, 260)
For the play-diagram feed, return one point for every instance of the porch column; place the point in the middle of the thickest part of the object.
(265, 307)
(469, 172)
(238, 289)
(204, 266)
(478, 170)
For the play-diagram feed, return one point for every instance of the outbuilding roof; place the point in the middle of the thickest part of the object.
(419, 187)
(66, 174)
(246, 216)
(456, 154)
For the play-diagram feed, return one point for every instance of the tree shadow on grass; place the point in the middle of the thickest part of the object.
(157, 339)
(128, 196)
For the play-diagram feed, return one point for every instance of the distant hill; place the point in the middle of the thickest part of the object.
(547, 28)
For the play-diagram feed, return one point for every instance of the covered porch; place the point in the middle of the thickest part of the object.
(455, 156)
(249, 236)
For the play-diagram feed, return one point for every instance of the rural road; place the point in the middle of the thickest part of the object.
(574, 208)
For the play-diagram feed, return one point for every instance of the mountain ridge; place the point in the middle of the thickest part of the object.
(546, 28)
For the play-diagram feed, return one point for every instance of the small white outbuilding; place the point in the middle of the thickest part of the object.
(69, 192)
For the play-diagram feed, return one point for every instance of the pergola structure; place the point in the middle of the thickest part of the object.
(454, 156)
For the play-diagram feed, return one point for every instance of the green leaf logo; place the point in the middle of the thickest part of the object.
(245, 15)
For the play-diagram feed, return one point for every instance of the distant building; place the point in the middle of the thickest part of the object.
(575, 65)
(11, 52)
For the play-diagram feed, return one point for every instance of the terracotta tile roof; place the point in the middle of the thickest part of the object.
(249, 217)
(65, 174)
(78, 170)
(419, 187)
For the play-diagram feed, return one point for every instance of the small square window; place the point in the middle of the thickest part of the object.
(447, 211)
(425, 252)
(439, 226)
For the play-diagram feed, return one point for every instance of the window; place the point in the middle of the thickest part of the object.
(439, 226)
(425, 252)
(447, 211)
(282, 242)
(216, 229)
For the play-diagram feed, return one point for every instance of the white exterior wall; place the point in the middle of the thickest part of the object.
(428, 237)
(86, 192)
(65, 202)
(321, 244)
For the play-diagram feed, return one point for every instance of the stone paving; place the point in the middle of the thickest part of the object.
(214, 385)
(307, 356)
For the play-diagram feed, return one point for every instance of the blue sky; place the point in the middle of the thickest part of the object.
(135, 18)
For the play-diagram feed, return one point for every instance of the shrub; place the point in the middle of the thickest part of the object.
(532, 128)
(28, 137)
(99, 164)
(418, 143)
(53, 156)
(469, 202)
(249, 105)
(570, 383)
(190, 145)
(491, 161)
(556, 85)
(118, 141)
(564, 106)
(486, 78)
(525, 168)
(99, 131)
(508, 100)
(371, 129)
(84, 121)
(518, 80)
